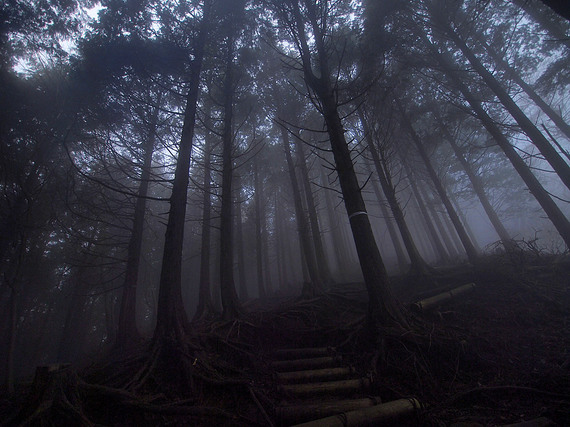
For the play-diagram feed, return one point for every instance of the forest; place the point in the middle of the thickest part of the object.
(275, 212)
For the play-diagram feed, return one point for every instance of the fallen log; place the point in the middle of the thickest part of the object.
(314, 375)
(435, 301)
(329, 387)
(375, 415)
(303, 353)
(304, 364)
(537, 422)
(300, 413)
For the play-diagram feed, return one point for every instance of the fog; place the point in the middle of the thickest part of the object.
(165, 164)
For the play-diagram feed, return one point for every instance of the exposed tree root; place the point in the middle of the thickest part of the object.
(502, 346)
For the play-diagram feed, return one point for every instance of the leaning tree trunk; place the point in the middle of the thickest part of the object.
(170, 316)
(314, 286)
(537, 99)
(322, 263)
(400, 256)
(479, 190)
(553, 212)
(418, 264)
(230, 303)
(438, 245)
(467, 244)
(382, 306)
(463, 218)
(340, 251)
(453, 246)
(538, 139)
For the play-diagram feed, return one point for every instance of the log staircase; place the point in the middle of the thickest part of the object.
(319, 388)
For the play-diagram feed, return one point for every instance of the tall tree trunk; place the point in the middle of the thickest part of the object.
(258, 231)
(10, 342)
(467, 244)
(446, 227)
(453, 249)
(314, 286)
(538, 139)
(205, 307)
(127, 331)
(463, 219)
(280, 247)
(382, 306)
(439, 249)
(321, 257)
(230, 303)
(265, 252)
(12, 280)
(340, 251)
(243, 292)
(553, 212)
(418, 264)
(400, 256)
(479, 190)
(171, 317)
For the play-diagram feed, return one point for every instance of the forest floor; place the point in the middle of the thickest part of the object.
(496, 356)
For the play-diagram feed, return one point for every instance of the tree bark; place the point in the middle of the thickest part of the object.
(382, 305)
(230, 304)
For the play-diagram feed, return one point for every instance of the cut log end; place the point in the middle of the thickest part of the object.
(439, 299)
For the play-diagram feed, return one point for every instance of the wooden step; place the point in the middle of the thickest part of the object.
(377, 415)
(304, 364)
(329, 387)
(315, 375)
(303, 353)
(300, 413)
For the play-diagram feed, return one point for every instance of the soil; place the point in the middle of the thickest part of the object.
(495, 356)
